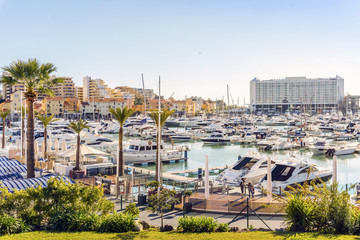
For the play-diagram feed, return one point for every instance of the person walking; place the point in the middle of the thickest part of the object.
(252, 191)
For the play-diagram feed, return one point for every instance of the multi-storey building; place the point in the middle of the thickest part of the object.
(53, 106)
(79, 93)
(66, 89)
(296, 94)
(99, 108)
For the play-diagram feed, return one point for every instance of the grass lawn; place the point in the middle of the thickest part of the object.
(173, 236)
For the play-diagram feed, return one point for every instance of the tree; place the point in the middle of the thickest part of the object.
(160, 202)
(77, 127)
(154, 115)
(36, 78)
(46, 120)
(3, 115)
(121, 115)
(22, 112)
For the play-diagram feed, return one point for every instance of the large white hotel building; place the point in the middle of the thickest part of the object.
(296, 94)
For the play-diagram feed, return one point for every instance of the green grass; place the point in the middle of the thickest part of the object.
(173, 236)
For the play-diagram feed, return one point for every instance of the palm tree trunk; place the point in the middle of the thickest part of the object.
(45, 142)
(121, 154)
(77, 160)
(30, 156)
(23, 136)
(3, 135)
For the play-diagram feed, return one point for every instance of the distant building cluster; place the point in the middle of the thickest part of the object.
(95, 97)
(296, 94)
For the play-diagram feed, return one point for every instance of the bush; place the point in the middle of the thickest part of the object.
(197, 224)
(234, 229)
(10, 225)
(74, 222)
(144, 225)
(118, 222)
(323, 208)
(132, 209)
(222, 227)
(167, 228)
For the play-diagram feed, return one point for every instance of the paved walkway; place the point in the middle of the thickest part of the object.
(171, 218)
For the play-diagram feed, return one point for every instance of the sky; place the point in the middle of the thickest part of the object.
(197, 47)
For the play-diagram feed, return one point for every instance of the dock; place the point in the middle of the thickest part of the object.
(166, 175)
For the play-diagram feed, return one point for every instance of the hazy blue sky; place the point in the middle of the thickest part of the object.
(196, 46)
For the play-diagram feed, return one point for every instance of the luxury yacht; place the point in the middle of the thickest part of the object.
(144, 151)
(251, 167)
(216, 138)
(292, 172)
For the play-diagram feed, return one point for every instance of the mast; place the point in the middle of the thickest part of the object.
(159, 141)
(143, 85)
(228, 99)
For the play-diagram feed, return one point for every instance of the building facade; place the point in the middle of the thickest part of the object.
(296, 94)
(66, 89)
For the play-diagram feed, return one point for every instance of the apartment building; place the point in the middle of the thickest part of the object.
(53, 106)
(296, 94)
(79, 93)
(99, 108)
(66, 89)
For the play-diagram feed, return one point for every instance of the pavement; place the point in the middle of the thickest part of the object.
(171, 218)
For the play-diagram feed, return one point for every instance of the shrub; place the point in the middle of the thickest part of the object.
(10, 225)
(132, 209)
(167, 228)
(118, 222)
(197, 224)
(323, 208)
(222, 227)
(234, 229)
(74, 222)
(144, 225)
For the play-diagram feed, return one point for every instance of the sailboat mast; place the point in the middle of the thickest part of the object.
(227, 90)
(143, 85)
(159, 139)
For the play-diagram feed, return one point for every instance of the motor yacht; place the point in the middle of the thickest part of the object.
(252, 167)
(292, 172)
(144, 151)
(216, 138)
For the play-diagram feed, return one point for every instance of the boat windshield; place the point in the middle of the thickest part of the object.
(281, 173)
(247, 162)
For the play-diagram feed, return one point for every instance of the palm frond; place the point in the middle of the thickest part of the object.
(121, 114)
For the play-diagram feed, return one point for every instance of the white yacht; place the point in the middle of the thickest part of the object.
(251, 167)
(216, 138)
(319, 147)
(283, 145)
(144, 151)
(292, 172)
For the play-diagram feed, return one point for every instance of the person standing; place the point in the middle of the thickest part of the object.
(242, 187)
(249, 189)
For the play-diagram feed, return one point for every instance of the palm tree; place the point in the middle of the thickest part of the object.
(77, 127)
(121, 115)
(46, 120)
(35, 78)
(22, 112)
(154, 115)
(3, 115)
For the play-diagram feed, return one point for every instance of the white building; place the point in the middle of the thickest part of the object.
(296, 94)
(100, 107)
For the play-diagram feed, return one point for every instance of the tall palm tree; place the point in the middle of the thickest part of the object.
(77, 127)
(121, 115)
(164, 115)
(46, 120)
(3, 115)
(22, 112)
(36, 78)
